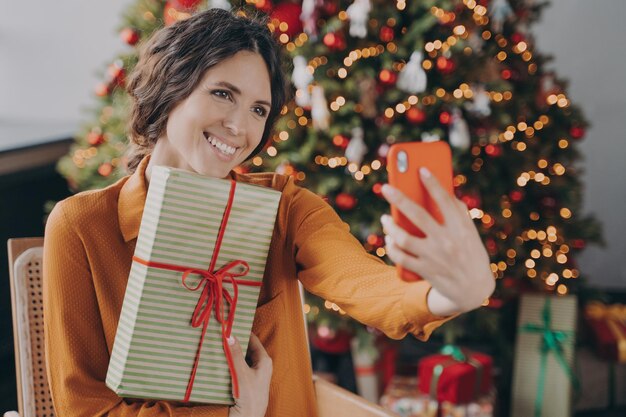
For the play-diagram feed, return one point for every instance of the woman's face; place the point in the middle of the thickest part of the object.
(222, 121)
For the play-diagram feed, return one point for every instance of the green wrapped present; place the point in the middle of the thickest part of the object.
(195, 278)
(544, 354)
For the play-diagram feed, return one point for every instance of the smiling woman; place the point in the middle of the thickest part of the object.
(205, 94)
(222, 121)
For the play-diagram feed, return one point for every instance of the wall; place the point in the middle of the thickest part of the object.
(587, 40)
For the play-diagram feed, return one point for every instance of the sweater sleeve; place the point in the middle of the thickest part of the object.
(75, 347)
(333, 264)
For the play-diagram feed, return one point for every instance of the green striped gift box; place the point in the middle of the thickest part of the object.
(155, 346)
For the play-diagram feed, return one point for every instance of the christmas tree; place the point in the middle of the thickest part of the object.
(370, 73)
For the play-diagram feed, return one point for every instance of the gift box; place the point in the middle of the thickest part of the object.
(458, 377)
(481, 407)
(544, 354)
(602, 382)
(403, 397)
(608, 327)
(195, 279)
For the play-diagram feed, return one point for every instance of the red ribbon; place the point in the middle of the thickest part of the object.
(212, 296)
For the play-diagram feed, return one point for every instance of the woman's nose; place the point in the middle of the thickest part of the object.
(235, 122)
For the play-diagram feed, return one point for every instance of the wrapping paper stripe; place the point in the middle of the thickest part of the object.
(155, 345)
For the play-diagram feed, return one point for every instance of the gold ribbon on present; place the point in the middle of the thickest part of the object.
(615, 316)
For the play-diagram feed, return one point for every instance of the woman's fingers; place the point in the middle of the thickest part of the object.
(403, 239)
(257, 354)
(442, 198)
(406, 260)
(414, 212)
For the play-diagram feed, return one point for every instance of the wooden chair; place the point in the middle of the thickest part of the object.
(34, 400)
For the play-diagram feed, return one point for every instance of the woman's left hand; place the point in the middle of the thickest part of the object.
(451, 256)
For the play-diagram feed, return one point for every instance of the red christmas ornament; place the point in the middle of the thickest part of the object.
(288, 13)
(517, 37)
(345, 201)
(492, 247)
(577, 132)
(579, 243)
(375, 240)
(445, 65)
(185, 4)
(341, 141)
(172, 13)
(493, 150)
(495, 302)
(102, 90)
(509, 282)
(105, 169)
(516, 196)
(116, 75)
(415, 115)
(377, 189)
(330, 7)
(445, 118)
(330, 341)
(129, 36)
(471, 201)
(95, 138)
(387, 77)
(386, 34)
(506, 74)
(335, 41)
(264, 5)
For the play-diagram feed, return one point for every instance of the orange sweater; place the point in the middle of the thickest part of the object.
(89, 242)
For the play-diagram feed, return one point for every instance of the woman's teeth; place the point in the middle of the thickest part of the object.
(224, 148)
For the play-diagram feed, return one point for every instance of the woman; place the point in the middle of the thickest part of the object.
(206, 92)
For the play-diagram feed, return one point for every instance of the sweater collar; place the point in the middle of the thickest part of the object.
(132, 200)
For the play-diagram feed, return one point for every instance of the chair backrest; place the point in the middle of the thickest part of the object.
(25, 260)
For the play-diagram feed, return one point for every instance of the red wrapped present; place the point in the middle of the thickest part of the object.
(455, 376)
(608, 325)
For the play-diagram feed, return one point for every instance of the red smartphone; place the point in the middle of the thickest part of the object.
(404, 161)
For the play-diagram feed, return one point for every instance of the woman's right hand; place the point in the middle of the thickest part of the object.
(254, 380)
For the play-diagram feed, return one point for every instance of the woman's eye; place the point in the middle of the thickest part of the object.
(260, 111)
(221, 94)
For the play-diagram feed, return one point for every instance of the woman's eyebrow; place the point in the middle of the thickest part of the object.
(238, 91)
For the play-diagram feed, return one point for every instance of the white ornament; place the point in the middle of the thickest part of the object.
(308, 18)
(301, 78)
(358, 13)
(220, 4)
(412, 78)
(430, 137)
(481, 101)
(357, 148)
(476, 41)
(500, 10)
(319, 109)
(459, 131)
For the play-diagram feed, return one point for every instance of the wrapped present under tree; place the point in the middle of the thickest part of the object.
(455, 376)
(544, 353)
(608, 326)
